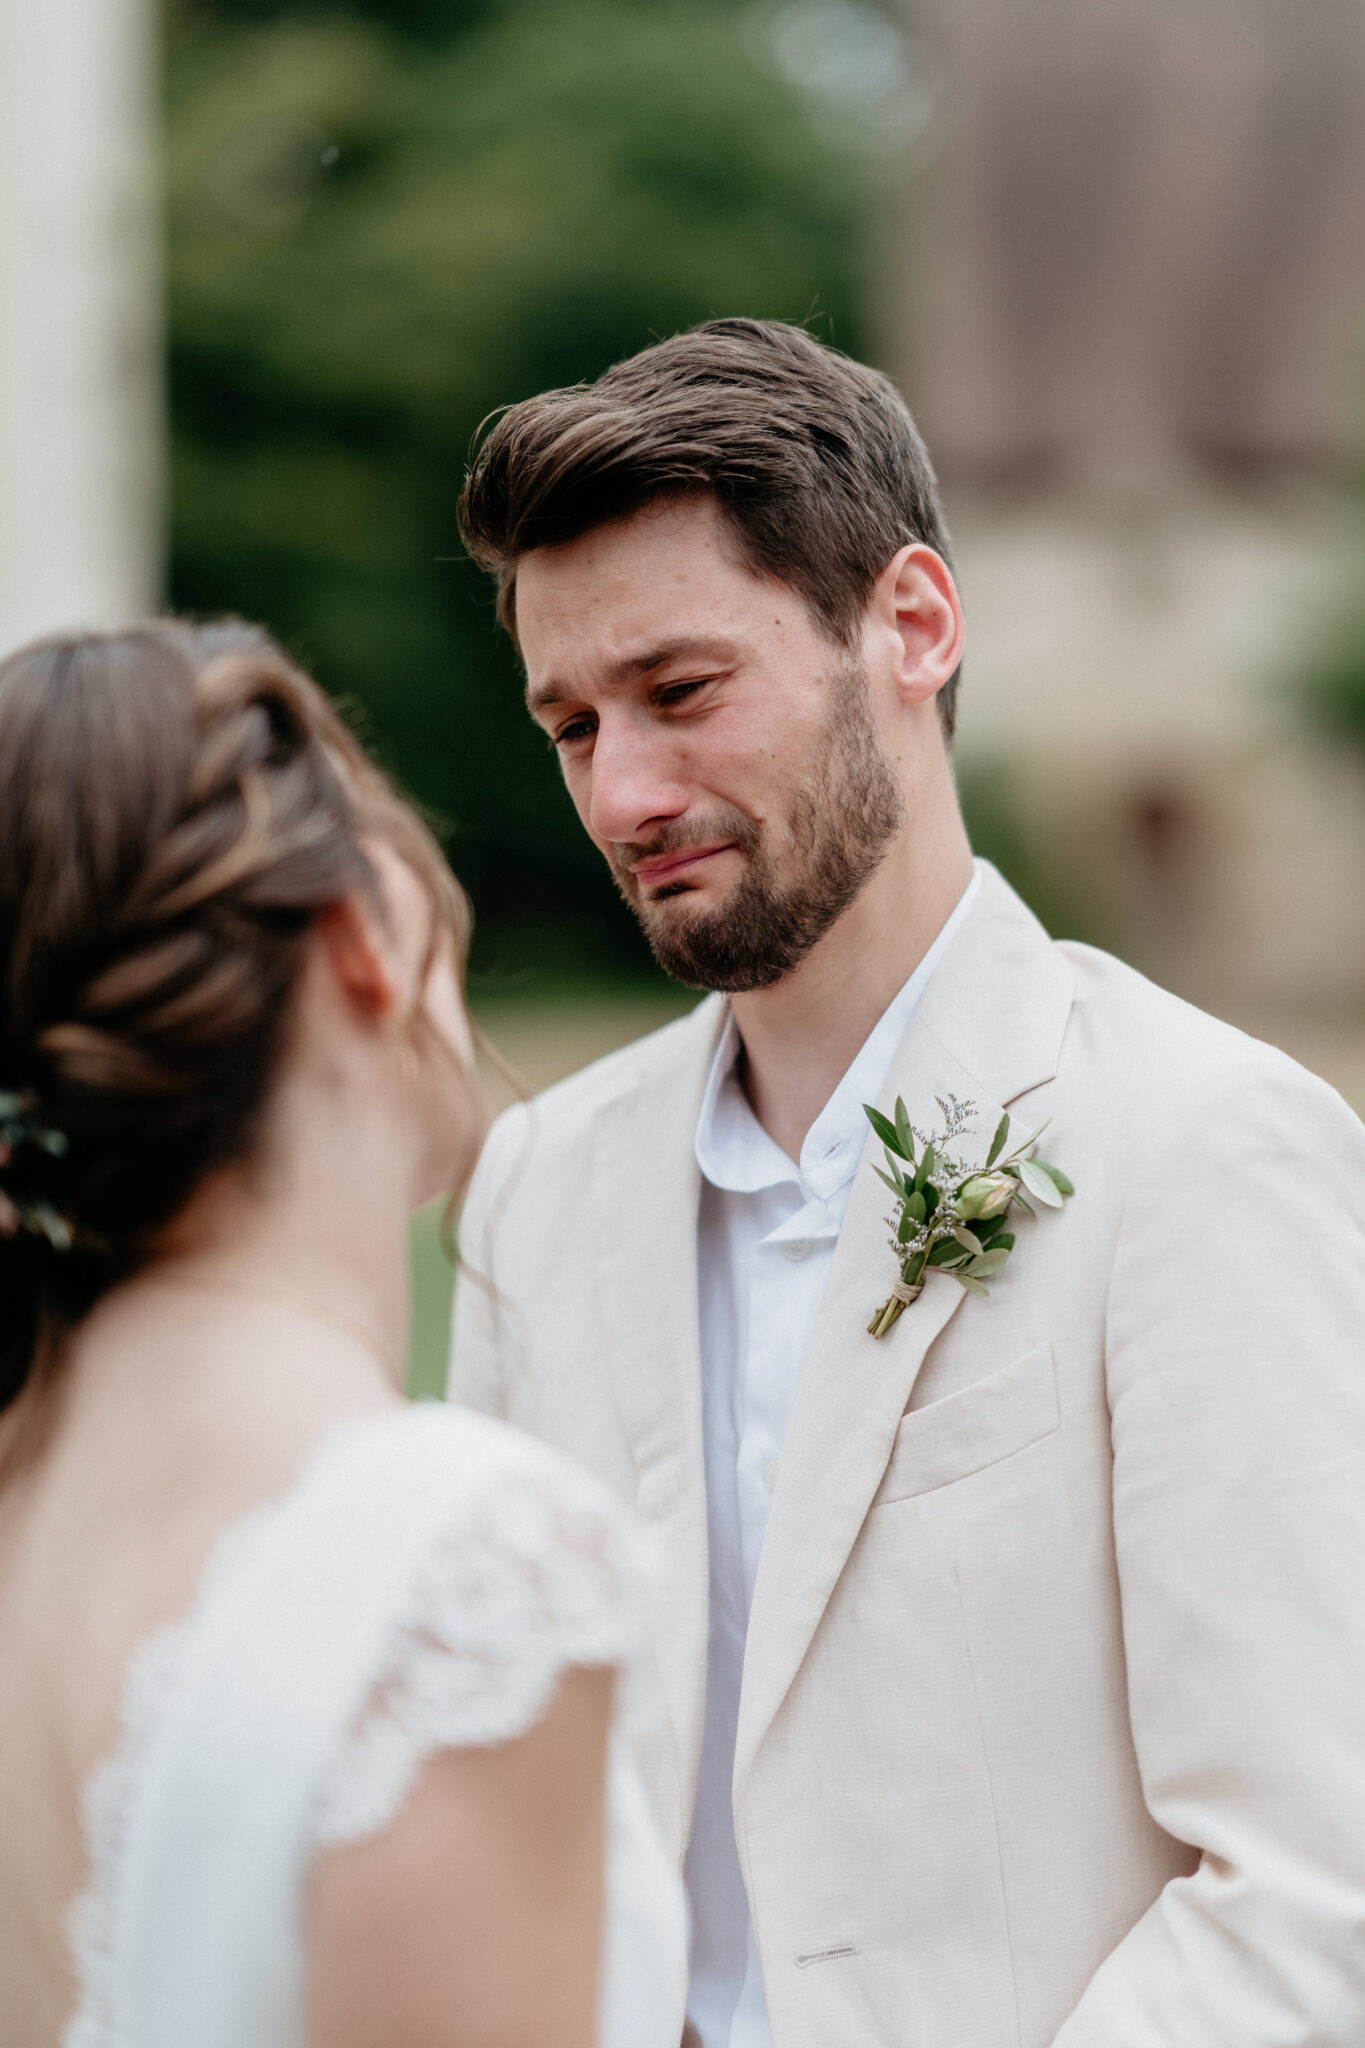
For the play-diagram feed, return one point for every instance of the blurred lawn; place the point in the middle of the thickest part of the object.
(432, 1293)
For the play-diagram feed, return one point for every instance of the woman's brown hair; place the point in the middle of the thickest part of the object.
(177, 804)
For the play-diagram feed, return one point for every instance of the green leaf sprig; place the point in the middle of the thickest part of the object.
(23, 1206)
(950, 1216)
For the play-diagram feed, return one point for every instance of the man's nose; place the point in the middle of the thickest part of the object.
(633, 789)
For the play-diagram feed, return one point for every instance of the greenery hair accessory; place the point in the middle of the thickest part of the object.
(24, 1205)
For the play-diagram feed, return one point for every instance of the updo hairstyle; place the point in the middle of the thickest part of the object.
(177, 803)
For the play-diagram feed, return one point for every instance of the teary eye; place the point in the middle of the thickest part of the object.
(675, 693)
(573, 729)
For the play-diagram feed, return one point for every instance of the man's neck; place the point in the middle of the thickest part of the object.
(802, 1035)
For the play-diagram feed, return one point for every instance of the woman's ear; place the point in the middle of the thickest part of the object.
(917, 600)
(361, 955)
(377, 940)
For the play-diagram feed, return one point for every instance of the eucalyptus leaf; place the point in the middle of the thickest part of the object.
(1002, 1131)
(915, 1206)
(1060, 1181)
(1002, 1238)
(903, 1130)
(967, 1237)
(885, 1130)
(1039, 1184)
(906, 1228)
(972, 1286)
(988, 1262)
(894, 1185)
(1024, 1203)
(928, 1164)
(945, 1252)
(1032, 1139)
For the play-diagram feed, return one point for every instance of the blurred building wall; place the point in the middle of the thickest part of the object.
(1149, 233)
(1133, 327)
(80, 341)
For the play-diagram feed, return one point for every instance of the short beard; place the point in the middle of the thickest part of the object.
(839, 829)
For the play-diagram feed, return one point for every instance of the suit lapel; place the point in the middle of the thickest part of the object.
(988, 1029)
(644, 1189)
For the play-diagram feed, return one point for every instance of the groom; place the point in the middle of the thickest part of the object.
(1012, 1691)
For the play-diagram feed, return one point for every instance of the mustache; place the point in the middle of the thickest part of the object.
(677, 837)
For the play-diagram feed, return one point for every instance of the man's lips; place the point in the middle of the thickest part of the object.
(667, 867)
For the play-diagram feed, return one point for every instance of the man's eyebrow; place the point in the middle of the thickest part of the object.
(684, 647)
(545, 694)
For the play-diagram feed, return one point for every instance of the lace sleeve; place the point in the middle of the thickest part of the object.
(527, 1579)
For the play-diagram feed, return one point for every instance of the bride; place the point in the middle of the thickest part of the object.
(305, 1694)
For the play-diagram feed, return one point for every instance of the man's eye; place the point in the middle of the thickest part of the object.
(576, 729)
(677, 692)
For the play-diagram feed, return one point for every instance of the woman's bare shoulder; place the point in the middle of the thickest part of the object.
(504, 1843)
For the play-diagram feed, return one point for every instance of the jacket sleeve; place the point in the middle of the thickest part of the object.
(1236, 1363)
(482, 1340)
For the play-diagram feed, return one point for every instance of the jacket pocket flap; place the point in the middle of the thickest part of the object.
(976, 1427)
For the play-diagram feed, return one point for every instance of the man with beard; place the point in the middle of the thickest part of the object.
(1010, 1688)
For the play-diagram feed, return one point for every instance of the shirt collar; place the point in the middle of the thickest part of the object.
(734, 1151)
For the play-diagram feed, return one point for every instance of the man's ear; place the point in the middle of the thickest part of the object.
(916, 601)
(360, 955)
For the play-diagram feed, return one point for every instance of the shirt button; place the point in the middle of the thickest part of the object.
(768, 1472)
(797, 1248)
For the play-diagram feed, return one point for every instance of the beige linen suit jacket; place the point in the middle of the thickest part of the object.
(1053, 1717)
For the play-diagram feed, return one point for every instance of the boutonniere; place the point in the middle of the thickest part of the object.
(950, 1215)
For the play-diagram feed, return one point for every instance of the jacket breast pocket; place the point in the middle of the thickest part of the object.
(976, 1427)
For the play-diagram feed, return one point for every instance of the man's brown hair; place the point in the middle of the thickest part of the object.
(813, 459)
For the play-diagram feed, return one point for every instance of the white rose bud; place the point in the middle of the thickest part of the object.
(989, 1194)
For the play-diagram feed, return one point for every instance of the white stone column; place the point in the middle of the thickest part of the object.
(81, 430)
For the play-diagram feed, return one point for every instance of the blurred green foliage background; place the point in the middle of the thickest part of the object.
(386, 220)
(1337, 676)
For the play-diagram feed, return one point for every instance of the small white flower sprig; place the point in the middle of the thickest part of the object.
(950, 1215)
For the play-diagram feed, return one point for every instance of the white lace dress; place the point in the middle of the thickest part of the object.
(421, 1588)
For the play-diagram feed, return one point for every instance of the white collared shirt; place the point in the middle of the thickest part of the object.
(766, 1233)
